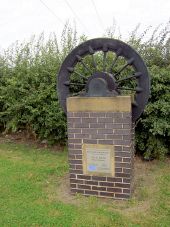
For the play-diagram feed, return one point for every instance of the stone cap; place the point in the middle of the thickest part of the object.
(99, 104)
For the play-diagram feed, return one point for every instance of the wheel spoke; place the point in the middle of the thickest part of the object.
(115, 59)
(105, 50)
(78, 93)
(126, 88)
(94, 62)
(68, 83)
(135, 104)
(104, 61)
(136, 75)
(84, 77)
(130, 61)
(71, 70)
(91, 51)
(137, 89)
(113, 63)
(84, 65)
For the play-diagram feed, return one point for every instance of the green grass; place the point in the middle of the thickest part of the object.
(34, 192)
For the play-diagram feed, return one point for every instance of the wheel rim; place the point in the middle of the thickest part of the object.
(107, 46)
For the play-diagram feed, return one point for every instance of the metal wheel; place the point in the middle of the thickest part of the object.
(107, 61)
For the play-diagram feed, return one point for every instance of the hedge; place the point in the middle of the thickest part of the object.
(28, 97)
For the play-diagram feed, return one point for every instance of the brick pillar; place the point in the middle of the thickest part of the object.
(105, 122)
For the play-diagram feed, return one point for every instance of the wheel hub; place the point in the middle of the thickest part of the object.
(101, 84)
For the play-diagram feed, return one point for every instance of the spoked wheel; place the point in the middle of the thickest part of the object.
(112, 65)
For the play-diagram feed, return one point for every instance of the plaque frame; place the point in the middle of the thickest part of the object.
(98, 147)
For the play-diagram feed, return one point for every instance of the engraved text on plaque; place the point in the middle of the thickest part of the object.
(98, 159)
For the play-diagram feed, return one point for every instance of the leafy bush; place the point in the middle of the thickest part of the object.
(153, 128)
(28, 98)
(28, 95)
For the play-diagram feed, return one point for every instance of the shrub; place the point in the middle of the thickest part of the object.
(28, 98)
(153, 128)
(28, 95)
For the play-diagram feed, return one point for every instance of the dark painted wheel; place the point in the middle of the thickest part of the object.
(109, 59)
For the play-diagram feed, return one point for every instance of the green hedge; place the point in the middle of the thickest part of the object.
(28, 98)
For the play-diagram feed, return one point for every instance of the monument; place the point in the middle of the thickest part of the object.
(103, 87)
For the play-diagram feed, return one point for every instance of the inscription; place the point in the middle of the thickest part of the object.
(98, 159)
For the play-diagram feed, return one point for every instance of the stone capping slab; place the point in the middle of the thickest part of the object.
(99, 104)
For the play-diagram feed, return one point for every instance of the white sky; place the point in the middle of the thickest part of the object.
(19, 19)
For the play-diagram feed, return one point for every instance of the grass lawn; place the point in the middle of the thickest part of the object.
(34, 192)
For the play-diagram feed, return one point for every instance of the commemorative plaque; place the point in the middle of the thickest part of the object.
(98, 159)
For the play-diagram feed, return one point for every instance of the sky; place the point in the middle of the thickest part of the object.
(20, 19)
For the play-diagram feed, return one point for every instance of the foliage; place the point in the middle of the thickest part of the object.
(28, 97)
(28, 87)
(153, 128)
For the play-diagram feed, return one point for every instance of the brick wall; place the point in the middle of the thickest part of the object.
(112, 128)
